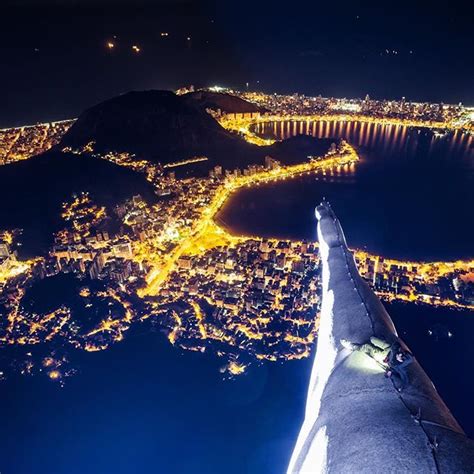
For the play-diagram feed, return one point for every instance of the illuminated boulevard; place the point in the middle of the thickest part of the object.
(204, 231)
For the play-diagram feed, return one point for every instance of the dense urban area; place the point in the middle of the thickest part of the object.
(173, 265)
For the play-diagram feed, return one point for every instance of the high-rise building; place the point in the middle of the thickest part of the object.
(4, 251)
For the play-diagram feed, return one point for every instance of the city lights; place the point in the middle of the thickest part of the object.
(178, 260)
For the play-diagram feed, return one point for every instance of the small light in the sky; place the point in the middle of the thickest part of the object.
(136, 48)
(164, 34)
(110, 45)
(189, 38)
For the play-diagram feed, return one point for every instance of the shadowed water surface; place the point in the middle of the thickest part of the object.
(410, 197)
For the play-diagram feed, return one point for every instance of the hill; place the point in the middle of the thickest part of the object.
(224, 102)
(156, 125)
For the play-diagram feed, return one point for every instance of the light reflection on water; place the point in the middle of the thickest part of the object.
(390, 141)
(411, 196)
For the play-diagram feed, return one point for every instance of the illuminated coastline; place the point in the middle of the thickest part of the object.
(20, 143)
(252, 298)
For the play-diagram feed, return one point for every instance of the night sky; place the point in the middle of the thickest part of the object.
(54, 59)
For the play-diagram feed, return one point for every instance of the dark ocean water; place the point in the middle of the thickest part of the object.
(411, 196)
(144, 406)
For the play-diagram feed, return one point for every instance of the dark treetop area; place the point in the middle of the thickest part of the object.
(32, 192)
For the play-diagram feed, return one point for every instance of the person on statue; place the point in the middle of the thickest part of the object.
(391, 357)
